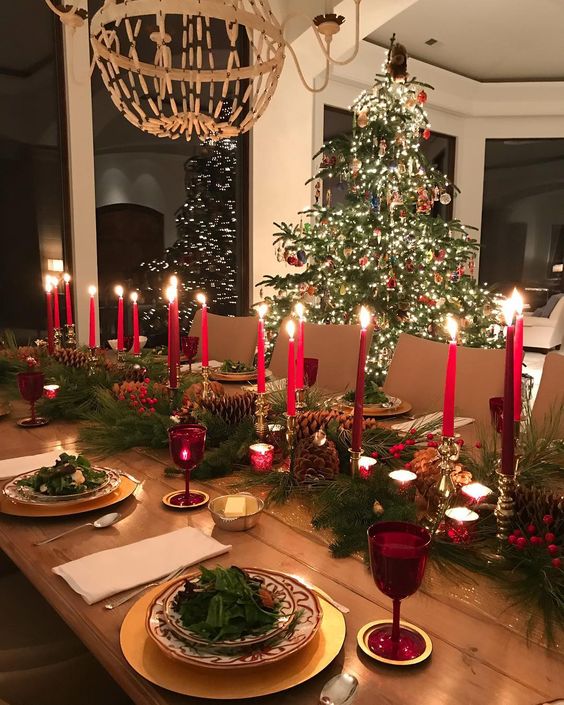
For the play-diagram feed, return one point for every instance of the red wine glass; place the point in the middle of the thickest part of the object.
(31, 388)
(190, 348)
(398, 556)
(311, 365)
(187, 443)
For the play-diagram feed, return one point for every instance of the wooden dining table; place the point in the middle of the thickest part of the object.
(478, 658)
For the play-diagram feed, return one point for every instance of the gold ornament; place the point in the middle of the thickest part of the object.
(438, 278)
(377, 508)
(362, 119)
(342, 290)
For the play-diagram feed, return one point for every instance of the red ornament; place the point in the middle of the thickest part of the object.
(421, 97)
(426, 133)
(391, 283)
(363, 261)
(441, 254)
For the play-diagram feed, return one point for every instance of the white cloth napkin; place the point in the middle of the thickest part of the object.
(431, 418)
(17, 466)
(197, 366)
(106, 573)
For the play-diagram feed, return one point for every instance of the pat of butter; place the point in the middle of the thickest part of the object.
(235, 507)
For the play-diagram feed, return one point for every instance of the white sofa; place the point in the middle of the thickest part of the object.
(544, 333)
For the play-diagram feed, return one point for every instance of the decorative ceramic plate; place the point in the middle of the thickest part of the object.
(180, 649)
(27, 495)
(250, 376)
(397, 407)
(276, 584)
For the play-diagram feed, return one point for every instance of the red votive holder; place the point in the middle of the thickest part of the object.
(475, 493)
(366, 466)
(50, 391)
(460, 523)
(262, 457)
(404, 481)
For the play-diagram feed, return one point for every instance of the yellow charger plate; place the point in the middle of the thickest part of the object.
(231, 684)
(125, 489)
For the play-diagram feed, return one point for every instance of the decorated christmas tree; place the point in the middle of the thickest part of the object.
(204, 255)
(383, 247)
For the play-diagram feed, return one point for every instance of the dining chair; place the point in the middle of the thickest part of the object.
(417, 375)
(229, 338)
(336, 348)
(548, 406)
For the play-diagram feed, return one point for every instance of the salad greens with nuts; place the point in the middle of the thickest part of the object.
(70, 475)
(226, 604)
(232, 366)
(372, 395)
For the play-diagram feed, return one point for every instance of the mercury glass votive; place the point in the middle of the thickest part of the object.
(404, 481)
(262, 457)
(459, 524)
(50, 391)
(366, 466)
(475, 492)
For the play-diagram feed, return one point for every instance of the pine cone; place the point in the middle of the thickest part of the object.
(316, 458)
(131, 387)
(311, 421)
(70, 357)
(425, 465)
(232, 409)
(135, 373)
(534, 502)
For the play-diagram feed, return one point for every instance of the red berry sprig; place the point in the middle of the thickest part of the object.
(533, 539)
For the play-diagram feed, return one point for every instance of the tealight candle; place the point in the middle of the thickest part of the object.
(459, 522)
(366, 466)
(404, 481)
(50, 391)
(262, 457)
(476, 492)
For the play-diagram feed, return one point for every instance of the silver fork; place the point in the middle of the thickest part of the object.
(137, 591)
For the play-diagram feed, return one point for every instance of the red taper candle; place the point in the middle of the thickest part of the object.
(120, 333)
(517, 355)
(68, 301)
(55, 284)
(450, 380)
(261, 366)
(172, 368)
(205, 354)
(50, 330)
(359, 390)
(92, 329)
(291, 386)
(299, 309)
(135, 314)
(507, 434)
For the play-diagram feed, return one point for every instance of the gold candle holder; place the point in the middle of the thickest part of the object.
(92, 361)
(58, 334)
(206, 382)
(290, 433)
(354, 461)
(70, 335)
(261, 414)
(505, 508)
(448, 451)
(121, 357)
(300, 400)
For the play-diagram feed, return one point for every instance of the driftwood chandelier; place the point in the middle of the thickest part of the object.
(210, 67)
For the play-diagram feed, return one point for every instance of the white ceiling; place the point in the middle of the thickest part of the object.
(488, 40)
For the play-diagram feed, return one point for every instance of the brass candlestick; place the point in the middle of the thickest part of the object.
(121, 357)
(261, 414)
(505, 508)
(58, 333)
(300, 400)
(290, 433)
(448, 451)
(70, 332)
(354, 462)
(205, 382)
(92, 361)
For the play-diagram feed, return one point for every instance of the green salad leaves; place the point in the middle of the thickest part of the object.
(232, 366)
(71, 475)
(372, 395)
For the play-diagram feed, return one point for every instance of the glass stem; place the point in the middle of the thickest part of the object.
(187, 481)
(33, 418)
(396, 622)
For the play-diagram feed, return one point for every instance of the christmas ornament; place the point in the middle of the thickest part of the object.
(423, 202)
(438, 278)
(363, 261)
(382, 146)
(301, 255)
(436, 193)
(392, 282)
(342, 290)
(311, 290)
(402, 168)
(317, 192)
(441, 254)
(397, 62)
(362, 119)
(445, 198)
(411, 102)
(409, 265)
(378, 234)
(328, 198)
(347, 251)
(315, 458)
(421, 97)
(375, 203)
(355, 166)
(328, 161)
(426, 133)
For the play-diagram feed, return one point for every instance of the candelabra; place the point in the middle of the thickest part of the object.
(354, 462)
(58, 338)
(261, 414)
(448, 451)
(205, 382)
(300, 400)
(70, 332)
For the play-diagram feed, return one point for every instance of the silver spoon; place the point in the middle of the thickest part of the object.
(339, 690)
(101, 523)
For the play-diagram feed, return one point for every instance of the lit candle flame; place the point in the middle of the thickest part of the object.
(452, 328)
(134, 295)
(201, 299)
(364, 317)
(262, 309)
(291, 329)
(171, 293)
(184, 453)
(66, 278)
(174, 281)
(476, 491)
(300, 310)
(402, 476)
(461, 514)
(92, 290)
(54, 282)
(119, 290)
(48, 284)
(508, 309)
(517, 301)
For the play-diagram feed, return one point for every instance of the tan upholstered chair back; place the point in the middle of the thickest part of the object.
(228, 338)
(336, 348)
(417, 374)
(550, 397)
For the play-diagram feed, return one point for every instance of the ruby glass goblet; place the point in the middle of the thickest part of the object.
(398, 556)
(31, 388)
(190, 349)
(311, 365)
(187, 443)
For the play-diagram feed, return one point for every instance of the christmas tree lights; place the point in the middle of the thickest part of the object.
(383, 248)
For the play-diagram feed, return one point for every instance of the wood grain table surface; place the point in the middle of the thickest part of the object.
(477, 660)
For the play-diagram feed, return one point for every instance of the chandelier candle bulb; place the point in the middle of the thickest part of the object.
(299, 310)
(261, 368)
(262, 457)
(201, 299)
(364, 317)
(450, 380)
(55, 284)
(50, 329)
(68, 301)
(291, 386)
(135, 314)
(92, 329)
(507, 434)
(120, 333)
(517, 355)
